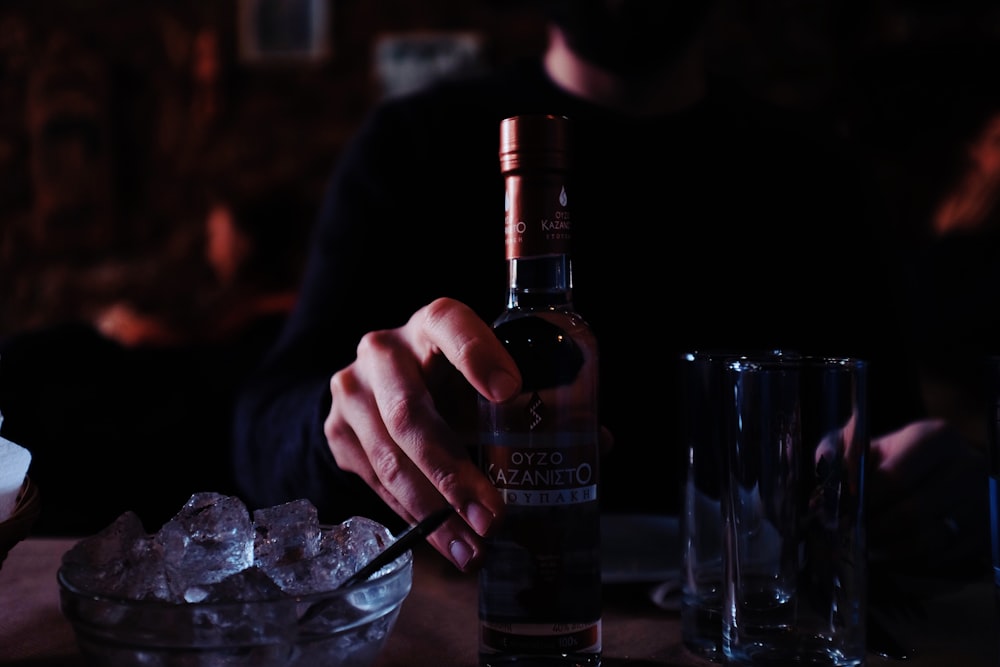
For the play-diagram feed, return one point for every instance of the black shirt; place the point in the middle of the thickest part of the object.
(719, 226)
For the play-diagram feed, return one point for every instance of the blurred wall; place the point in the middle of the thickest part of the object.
(116, 116)
(119, 117)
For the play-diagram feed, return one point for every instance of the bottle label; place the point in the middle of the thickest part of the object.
(539, 477)
(537, 217)
(540, 587)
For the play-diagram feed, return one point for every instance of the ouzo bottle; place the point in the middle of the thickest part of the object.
(540, 585)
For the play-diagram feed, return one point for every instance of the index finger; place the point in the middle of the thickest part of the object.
(449, 328)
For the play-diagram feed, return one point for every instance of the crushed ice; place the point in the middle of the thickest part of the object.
(213, 549)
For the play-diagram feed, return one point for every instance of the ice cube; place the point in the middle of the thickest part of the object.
(285, 534)
(345, 549)
(210, 538)
(248, 585)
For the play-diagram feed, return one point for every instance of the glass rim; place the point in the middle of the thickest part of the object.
(807, 361)
(728, 354)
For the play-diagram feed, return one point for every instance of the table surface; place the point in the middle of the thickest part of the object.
(958, 624)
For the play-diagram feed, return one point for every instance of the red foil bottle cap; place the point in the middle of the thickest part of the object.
(534, 141)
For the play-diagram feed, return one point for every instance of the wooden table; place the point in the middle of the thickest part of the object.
(437, 625)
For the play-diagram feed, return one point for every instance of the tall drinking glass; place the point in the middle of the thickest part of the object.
(795, 542)
(703, 399)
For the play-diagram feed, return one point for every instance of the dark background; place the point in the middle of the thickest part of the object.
(116, 115)
(120, 119)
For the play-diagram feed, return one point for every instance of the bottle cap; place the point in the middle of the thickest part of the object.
(535, 141)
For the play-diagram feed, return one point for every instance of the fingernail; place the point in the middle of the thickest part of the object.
(503, 385)
(479, 518)
(461, 553)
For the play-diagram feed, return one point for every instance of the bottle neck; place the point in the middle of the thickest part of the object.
(540, 282)
(538, 226)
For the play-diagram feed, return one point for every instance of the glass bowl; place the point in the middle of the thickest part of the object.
(18, 525)
(347, 627)
(244, 619)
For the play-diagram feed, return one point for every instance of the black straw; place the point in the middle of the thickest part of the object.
(404, 542)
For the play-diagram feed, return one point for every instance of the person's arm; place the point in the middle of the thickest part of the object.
(353, 408)
(929, 505)
(280, 452)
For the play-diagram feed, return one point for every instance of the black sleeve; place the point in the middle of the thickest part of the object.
(419, 176)
(280, 452)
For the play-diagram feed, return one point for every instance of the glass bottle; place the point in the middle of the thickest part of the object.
(540, 585)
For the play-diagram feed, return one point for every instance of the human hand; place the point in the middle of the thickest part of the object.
(401, 414)
(928, 509)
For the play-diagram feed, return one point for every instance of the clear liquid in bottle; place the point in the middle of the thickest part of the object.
(540, 585)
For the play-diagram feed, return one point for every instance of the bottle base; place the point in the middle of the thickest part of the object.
(521, 660)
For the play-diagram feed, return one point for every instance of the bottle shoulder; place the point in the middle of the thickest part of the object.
(551, 347)
(564, 317)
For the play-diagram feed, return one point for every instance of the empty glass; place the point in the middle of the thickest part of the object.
(703, 399)
(793, 507)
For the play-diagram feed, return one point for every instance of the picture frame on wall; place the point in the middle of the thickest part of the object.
(289, 31)
(405, 62)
